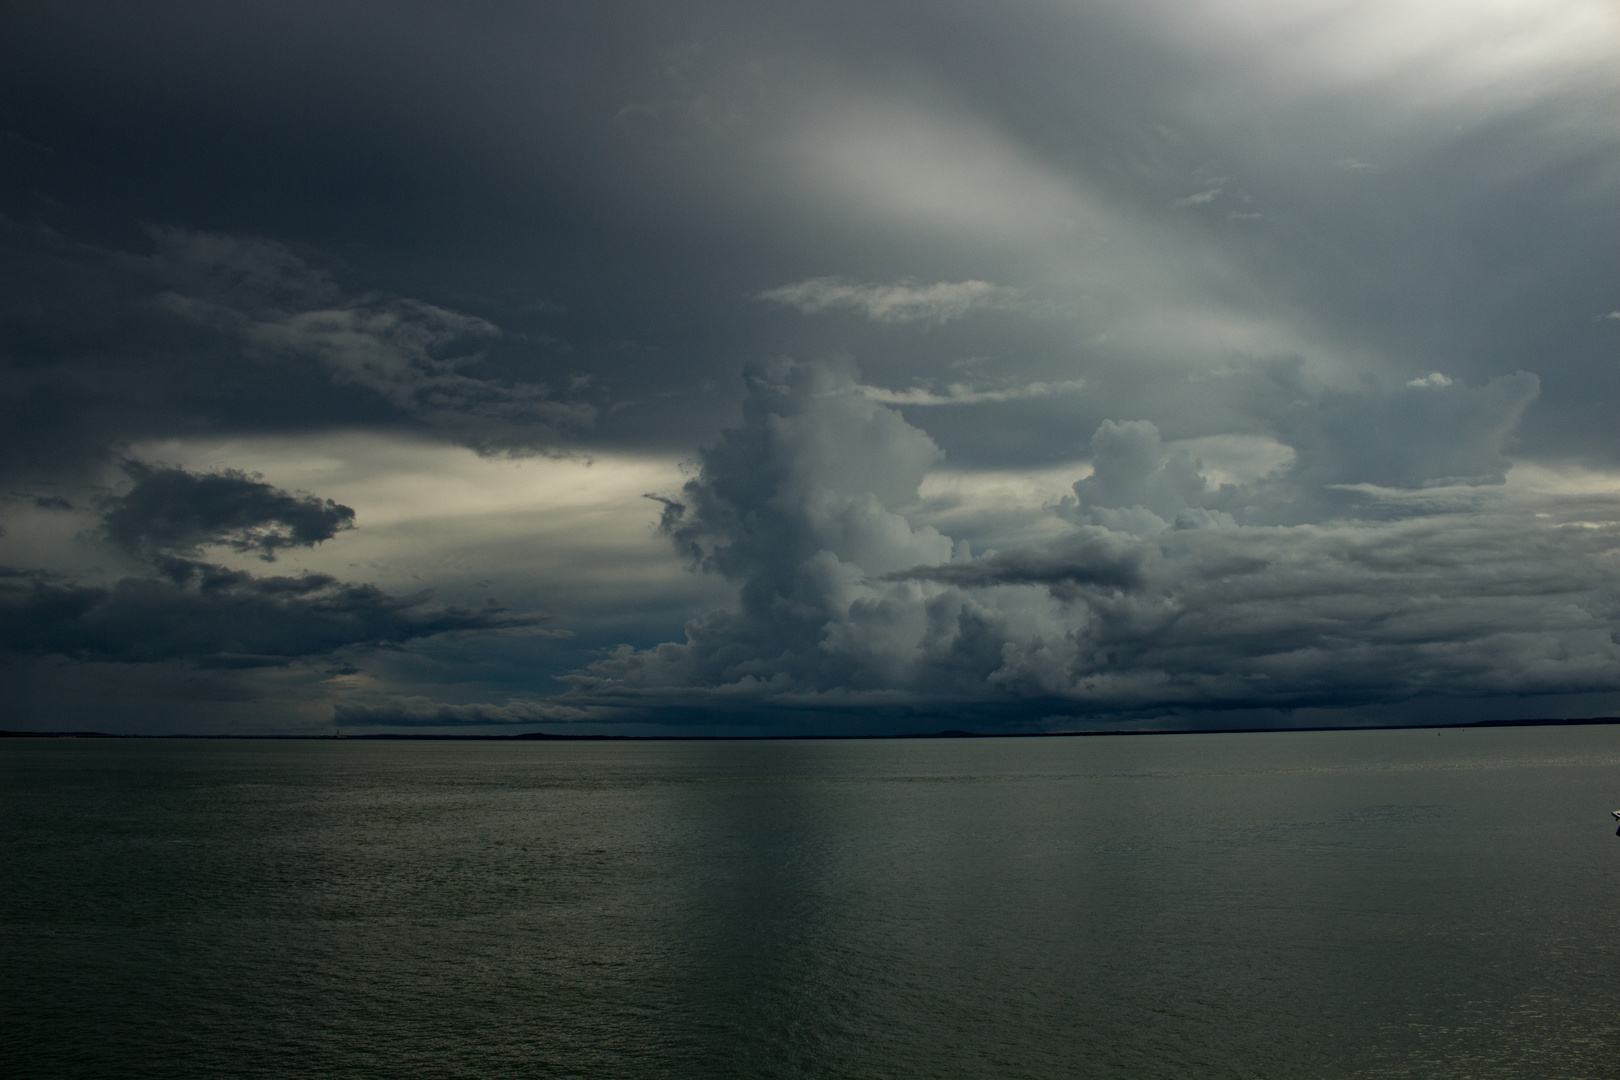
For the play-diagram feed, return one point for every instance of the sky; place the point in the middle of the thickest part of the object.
(835, 368)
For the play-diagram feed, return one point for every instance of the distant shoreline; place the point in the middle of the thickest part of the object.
(540, 736)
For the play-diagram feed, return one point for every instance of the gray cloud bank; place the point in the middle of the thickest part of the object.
(180, 608)
(1167, 594)
(212, 616)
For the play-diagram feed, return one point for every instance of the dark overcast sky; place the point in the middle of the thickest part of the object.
(714, 367)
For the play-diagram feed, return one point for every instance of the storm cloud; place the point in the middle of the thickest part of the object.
(181, 608)
(1028, 367)
(211, 331)
(1150, 602)
(212, 616)
(175, 512)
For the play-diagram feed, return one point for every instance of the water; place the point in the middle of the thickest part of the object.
(1338, 904)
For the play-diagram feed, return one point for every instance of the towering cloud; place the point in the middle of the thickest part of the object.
(1155, 598)
(800, 505)
(1136, 487)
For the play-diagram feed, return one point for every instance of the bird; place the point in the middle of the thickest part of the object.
(1616, 814)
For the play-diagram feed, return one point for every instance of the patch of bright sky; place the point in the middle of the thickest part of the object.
(428, 513)
(1235, 459)
(895, 161)
(995, 508)
(1440, 53)
(1543, 479)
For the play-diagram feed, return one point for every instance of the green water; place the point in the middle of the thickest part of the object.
(1337, 904)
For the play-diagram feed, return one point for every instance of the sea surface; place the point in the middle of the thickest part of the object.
(1292, 905)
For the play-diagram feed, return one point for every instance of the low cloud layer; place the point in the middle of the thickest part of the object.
(418, 712)
(181, 608)
(215, 617)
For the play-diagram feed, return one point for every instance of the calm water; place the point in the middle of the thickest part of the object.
(1367, 904)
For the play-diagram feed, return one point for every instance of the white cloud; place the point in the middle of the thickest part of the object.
(964, 394)
(1433, 378)
(899, 302)
(1203, 198)
(1234, 458)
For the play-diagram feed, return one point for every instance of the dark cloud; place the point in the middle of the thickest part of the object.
(1094, 556)
(185, 609)
(1434, 431)
(217, 617)
(176, 512)
(211, 332)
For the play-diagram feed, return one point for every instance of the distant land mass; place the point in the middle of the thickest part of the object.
(543, 736)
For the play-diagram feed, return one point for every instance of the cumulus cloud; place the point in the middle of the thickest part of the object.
(1137, 487)
(800, 506)
(901, 302)
(1346, 614)
(1158, 599)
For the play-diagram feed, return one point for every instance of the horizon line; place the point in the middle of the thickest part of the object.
(543, 736)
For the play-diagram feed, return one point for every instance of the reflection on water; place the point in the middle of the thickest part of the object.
(1334, 904)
